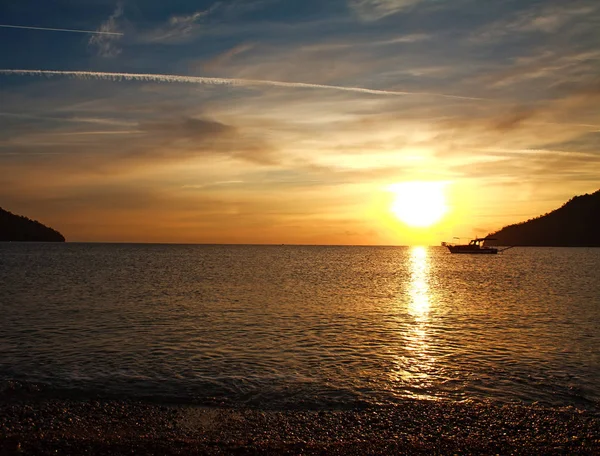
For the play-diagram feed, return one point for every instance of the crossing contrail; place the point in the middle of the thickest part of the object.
(221, 81)
(27, 27)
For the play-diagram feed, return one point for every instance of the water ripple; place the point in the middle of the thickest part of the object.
(302, 326)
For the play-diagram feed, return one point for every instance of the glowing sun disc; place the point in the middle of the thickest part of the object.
(419, 204)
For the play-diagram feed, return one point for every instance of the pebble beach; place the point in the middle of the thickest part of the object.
(117, 427)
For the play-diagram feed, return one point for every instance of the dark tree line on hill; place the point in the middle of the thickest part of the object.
(575, 224)
(17, 228)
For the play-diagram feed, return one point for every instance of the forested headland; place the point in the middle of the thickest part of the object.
(575, 224)
(16, 228)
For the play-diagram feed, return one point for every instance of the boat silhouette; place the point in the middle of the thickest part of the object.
(473, 247)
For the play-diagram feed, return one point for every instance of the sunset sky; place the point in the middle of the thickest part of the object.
(483, 113)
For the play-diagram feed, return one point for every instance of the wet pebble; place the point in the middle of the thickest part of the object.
(126, 427)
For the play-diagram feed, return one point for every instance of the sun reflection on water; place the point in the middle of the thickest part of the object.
(415, 364)
(419, 304)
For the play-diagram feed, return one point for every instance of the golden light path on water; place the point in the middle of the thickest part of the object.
(415, 368)
(419, 304)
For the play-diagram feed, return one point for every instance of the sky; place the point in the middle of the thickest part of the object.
(297, 122)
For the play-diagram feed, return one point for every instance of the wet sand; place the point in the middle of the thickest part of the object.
(108, 427)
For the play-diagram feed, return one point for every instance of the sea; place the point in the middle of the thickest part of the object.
(301, 327)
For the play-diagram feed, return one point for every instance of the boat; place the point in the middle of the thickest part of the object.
(473, 247)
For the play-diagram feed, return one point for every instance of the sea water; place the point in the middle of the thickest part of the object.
(290, 327)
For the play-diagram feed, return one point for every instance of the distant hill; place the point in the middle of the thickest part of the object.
(575, 224)
(21, 229)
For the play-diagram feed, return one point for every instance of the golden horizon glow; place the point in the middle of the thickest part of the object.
(269, 143)
(419, 204)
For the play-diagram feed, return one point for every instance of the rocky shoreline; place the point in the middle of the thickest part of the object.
(103, 427)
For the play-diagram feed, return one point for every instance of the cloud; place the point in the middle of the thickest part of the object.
(166, 139)
(544, 19)
(190, 128)
(585, 143)
(105, 42)
(226, 57)
(533, 166)
(341, 45)
(372, 10)
(202, 137)
(184, 27)
(513, 120)
(223, 81)
(178, 28)
(555, 67)
(410, 38)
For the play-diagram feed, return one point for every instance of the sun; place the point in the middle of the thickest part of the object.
(419, 204)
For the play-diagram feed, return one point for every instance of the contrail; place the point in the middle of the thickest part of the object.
(219, 81)
(26, 27)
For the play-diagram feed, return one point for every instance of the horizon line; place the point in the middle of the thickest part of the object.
(284, 244)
